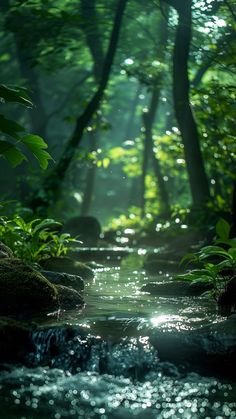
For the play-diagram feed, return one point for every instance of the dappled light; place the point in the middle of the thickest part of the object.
(117, 209)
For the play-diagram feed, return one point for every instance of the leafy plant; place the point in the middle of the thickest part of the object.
(31, 241)
(16, 135)
(217, 263)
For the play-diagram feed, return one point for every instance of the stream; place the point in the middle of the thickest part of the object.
(112, 369)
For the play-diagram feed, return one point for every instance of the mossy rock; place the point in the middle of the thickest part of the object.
(23, 289)
(61, 278)
(69, 298)
(15, 341)
(67, 265)
(5, 251)
(177, 288)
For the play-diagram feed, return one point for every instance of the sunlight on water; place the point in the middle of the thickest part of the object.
(116, 306)
(44, 393)
(157, 321)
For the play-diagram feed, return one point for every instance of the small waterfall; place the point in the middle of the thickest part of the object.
(72, 350)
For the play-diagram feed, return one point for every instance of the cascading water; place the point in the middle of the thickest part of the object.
(100, 363)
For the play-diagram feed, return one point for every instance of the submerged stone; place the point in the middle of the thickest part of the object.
(23, 289)
(212, 346)
(67, 265)
(177, 288)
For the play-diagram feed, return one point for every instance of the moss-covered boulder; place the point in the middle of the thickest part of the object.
(23, 289)
(5, 251)
(67, 265)
(68, 280)
(69, 298)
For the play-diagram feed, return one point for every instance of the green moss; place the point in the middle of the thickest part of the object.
(69, 298)
(23, 289)
(67, 265)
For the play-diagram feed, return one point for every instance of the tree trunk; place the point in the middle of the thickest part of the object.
(94, 42)
(130, 129)
(93, 36)
(148, 119)
(184, 115)
(90, 179)
(52, 182)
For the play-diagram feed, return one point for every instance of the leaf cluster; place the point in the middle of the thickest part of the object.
(217, 263)
(12, 131)
(33, 240)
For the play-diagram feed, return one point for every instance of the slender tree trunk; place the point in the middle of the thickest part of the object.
(52, 182)
(148, 119)
(93, 35)
(131, 121)
(184, 115)
(90, 179)
(95, 45)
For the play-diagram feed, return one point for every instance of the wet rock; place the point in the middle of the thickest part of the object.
(15, 341)
(23, 289)
(213, 345)
(227, 299)
(67, 265)
(88, 229)
(5, 251)
(177, 288)
(68, 280)
(69, 298)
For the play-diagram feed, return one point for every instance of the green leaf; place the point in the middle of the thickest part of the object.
(225, 264)
(209, 251)
(16, 94)
(223, 229)
(37, 146)
(232, 252)
(45, 224)
(13, 155)
(7, 126)
(189, 257)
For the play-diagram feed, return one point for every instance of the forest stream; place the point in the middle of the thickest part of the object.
(109, 367)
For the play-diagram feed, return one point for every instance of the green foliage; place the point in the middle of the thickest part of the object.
(33, 240)
(15, 132)
(217, 264)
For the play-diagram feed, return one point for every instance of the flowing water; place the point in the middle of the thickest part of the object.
(115, 372)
